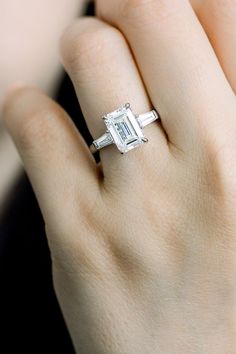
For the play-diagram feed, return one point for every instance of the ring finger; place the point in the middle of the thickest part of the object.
(105, 77)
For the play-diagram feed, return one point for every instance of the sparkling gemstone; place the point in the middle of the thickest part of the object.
(124, 128)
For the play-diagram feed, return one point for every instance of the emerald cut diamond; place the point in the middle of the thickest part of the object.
(124, 129)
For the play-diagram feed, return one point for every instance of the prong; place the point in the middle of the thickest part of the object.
(127, 105)
(145, 140)
(93, 148)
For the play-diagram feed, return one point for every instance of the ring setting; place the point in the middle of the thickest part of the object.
(124, 129)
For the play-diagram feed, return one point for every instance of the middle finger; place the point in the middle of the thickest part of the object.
(176, 61)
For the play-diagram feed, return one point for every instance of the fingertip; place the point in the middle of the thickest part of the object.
(78, 36)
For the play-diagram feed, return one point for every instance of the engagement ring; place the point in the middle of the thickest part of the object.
(124, 129)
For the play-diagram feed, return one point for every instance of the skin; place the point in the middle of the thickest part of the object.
(24, 42)
(23, 39)
(143, 246)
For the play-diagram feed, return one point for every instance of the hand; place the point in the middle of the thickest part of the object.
(143, 246)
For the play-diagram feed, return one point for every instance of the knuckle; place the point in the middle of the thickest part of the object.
(147, 11)
(128, 258)
(36, 128)
(89, 44)
(30, 114)
(219, 161)
(137, 4)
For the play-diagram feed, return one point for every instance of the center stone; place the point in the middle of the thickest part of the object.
(124, 128)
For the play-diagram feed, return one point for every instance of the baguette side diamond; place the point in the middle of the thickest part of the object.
(105, 140)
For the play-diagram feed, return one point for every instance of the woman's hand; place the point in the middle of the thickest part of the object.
(143, 246)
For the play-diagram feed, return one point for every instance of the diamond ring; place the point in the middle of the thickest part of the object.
(124, 129)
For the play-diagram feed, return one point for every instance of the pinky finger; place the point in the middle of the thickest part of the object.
(61, 169)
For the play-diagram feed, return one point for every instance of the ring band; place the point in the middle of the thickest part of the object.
(124, 129)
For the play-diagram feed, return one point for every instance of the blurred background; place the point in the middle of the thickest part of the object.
(30, 317)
